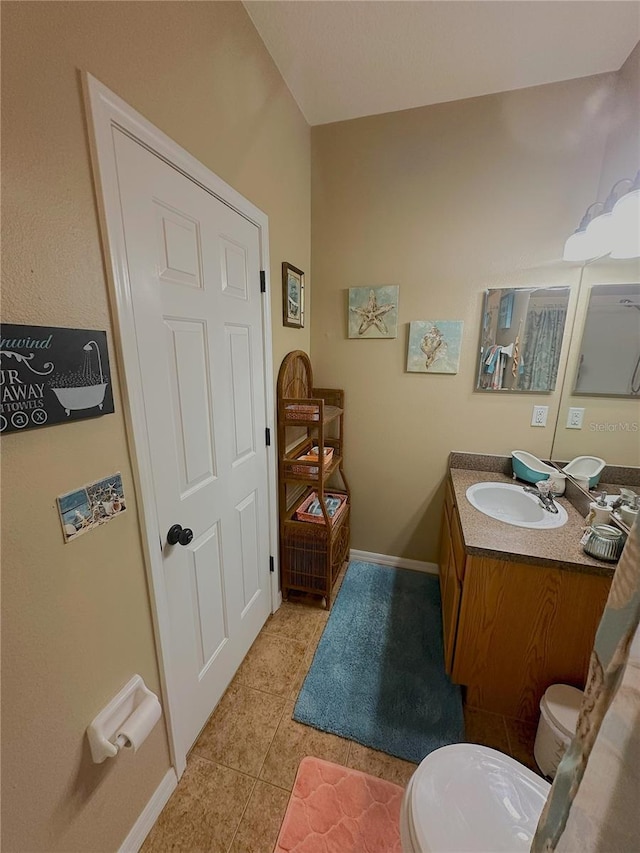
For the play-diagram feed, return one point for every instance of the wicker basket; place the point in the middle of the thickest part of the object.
(302, 513)
(301, 412)
(312, 470)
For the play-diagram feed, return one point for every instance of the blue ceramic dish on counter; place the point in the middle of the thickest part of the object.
(529, 468)
(586, 466)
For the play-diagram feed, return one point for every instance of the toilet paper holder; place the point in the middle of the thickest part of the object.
(134, 709)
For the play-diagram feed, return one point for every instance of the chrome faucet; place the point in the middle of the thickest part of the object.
(542, 491)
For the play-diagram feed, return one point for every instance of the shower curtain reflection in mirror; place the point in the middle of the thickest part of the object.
(543, 342)
(521, 338)
(609, 362)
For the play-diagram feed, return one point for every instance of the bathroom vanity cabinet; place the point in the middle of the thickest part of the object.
(513, 626)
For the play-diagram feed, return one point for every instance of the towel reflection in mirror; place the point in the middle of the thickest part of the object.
(522, 337)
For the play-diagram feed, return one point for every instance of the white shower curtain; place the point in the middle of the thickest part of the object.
(594, 803)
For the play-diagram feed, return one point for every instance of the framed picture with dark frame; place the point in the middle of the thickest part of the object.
(292, 296)
(506, 311)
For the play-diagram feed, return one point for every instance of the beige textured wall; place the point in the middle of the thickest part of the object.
(445, 201)
(618, 445)
(76, 619)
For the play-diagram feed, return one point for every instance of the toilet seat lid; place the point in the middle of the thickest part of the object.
(562, 704)
(471, 798)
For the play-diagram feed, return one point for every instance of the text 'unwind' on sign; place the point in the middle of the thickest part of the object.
(51, 375)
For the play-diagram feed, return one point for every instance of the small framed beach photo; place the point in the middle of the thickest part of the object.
(292, 296)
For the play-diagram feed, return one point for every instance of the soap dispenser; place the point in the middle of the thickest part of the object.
(630, 512)
(600, 511)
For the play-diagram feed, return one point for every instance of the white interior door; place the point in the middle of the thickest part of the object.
(194, 270)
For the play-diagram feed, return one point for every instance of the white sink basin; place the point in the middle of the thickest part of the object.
(510, 503)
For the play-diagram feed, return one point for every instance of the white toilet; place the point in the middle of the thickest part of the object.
(471, 799)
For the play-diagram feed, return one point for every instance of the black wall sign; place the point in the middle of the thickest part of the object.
(51, 376)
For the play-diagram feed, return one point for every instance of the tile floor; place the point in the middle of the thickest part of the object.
(234, 793)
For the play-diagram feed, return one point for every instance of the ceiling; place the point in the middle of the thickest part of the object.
(342, 60)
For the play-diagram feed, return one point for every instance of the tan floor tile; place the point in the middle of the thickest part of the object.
(241, 729)
(521, 739)
(290, 745)
(307, 660)
(271, 664)
(339, 579)
(313, 643)
(485, 728)
(298, 681)
(296, 621)
(260, 824)
(203, 812)
(380, 764)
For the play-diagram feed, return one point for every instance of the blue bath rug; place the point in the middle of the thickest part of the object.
(378, 673)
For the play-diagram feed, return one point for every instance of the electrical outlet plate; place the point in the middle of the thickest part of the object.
(539, 417)
(575, 418)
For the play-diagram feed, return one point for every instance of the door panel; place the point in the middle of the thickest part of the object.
(179, 244)
(209, 611)
(234, 269)
(249, 538)
(190, 402)
(193, 265)
(239, 355)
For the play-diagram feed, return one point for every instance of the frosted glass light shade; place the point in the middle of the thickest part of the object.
(599, 235)
(577, 248)
(625, 236)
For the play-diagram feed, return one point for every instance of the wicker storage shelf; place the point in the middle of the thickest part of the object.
(311, 552)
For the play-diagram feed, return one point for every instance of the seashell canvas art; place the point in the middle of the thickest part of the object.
(373, 311)
(434, 346)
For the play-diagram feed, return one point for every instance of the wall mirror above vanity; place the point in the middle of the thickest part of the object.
(521, 338)
(599, 411)
(580, 345)
(609, 355)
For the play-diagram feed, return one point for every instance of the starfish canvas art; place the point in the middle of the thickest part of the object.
(373, 311)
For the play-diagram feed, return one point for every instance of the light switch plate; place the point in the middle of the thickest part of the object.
(574, 418)
(539, 417)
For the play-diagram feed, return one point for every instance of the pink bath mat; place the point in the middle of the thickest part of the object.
(337, 810)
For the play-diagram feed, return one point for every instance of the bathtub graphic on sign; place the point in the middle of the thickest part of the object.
(52, 375)
(81, 389)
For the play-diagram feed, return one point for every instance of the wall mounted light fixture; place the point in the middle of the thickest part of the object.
(625, 241)
(577, 246)
(610, 228)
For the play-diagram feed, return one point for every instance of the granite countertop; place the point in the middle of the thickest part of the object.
(487, 537)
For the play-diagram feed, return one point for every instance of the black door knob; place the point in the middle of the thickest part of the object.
(179, 534)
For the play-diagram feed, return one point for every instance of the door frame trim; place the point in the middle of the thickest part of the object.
(106, 111)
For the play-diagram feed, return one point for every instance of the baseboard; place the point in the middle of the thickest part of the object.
(141, 828)
(396, 562)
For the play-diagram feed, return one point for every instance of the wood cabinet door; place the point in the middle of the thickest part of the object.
(450, 591)
(445, 550)
(523, 627)
(458, 553)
